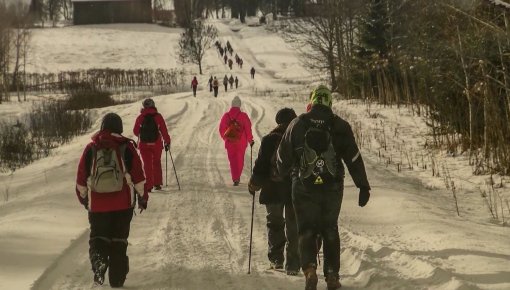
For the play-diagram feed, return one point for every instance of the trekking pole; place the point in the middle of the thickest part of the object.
(252, 214)
(175, 171)
(251, 232)
(317, 247)
(166, 168)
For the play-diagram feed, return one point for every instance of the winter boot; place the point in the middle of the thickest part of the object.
(118, 275)
(100, 267)
(333, 281)
(276, 266)
(292, 272)
(236, 182)
(157, 187)
(311, 278)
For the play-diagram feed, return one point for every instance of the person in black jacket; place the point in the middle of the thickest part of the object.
(276, 195)
(317, 205)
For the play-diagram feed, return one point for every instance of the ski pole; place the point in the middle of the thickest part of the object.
(166, 168)
(317, 245)
(251, 232)
(252, 214)
(175, 171)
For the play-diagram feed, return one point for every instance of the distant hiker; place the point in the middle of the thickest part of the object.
(221, 51)
(210, 84)
(276, 195)
(311, 150)
(225, 58)
(216, 85)
(231, 81)
(230, 63)
(194, 85)
(150, 128)
(225, 82)
(237, 82)
(235, 130)
(252, 72)
(104, 191)
(240, 63)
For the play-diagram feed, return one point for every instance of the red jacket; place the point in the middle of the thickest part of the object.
(133, 181)
(244, 121)
(194, 83)
(163, 136)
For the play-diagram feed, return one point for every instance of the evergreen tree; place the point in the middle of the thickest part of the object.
(374, 38)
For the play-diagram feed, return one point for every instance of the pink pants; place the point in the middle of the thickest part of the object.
(235, 154)
(151, 156)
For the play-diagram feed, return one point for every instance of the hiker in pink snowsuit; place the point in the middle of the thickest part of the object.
(236, 149)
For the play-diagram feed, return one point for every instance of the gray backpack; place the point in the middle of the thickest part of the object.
(108, 170)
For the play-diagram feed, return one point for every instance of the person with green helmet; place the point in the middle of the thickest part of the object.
(311, 151)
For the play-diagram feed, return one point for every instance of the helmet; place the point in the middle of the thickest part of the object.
(148, 103)
(321, 95)
(112, 122)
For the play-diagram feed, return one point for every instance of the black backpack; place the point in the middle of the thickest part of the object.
(318, 163)
(149, 131)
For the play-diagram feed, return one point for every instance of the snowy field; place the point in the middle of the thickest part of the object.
(407, 237)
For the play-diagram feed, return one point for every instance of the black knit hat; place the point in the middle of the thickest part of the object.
(285, 116)
(148, 103)
(113, 123)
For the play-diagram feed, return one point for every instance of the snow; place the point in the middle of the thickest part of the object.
(104, 46)
(502, 3)
(407, 237)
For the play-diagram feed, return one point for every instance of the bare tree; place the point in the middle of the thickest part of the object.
(315, 37)
(38, 11)
(5, 49)
(21, 37)
(54, 8)
(195, 41)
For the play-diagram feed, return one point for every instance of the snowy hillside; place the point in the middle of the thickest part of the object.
(407, 237)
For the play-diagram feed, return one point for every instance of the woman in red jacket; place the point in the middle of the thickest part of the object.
(150, 128)
(236, 148)
(110, 211)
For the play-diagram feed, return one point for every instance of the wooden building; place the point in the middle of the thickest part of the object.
(111, 11)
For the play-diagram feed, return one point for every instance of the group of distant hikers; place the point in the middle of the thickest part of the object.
(223, 52)
(214, 84)
(298, 170)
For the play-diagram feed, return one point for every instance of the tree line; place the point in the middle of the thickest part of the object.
(15, 24)
(449, 60)
(188, 10)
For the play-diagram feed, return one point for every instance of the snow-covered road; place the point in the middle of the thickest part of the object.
(407, 237)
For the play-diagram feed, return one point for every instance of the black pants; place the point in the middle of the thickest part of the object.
(194, 91)
(317, 212)
(108, 243)
(282, 233)
(215, 92)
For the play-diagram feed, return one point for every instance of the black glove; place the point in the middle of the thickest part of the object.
(85, 202)
(364, 196)
(253, 188)
(167, 147)
(252, 143)
(142, 202)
